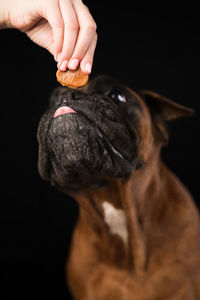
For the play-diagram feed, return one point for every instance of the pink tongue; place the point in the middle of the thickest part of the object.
(64, 110)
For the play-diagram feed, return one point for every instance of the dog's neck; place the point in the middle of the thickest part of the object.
(116, 212)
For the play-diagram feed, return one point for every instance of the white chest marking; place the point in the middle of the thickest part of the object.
(116, 220)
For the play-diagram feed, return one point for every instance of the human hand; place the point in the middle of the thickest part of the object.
(64, 27)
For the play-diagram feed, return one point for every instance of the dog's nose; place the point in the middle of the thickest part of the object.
(74, 95)
(71, 95)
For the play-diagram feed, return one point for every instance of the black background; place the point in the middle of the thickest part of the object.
(145, 47)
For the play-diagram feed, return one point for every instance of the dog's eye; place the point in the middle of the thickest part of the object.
(117, 94)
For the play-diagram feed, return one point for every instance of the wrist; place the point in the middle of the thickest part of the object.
(4, 14)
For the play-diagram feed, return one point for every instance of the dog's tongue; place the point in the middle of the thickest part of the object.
(64, 110)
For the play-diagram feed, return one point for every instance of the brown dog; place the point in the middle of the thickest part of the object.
(138, 233)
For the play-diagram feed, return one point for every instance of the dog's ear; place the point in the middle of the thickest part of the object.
(163, 109)
(167, 108)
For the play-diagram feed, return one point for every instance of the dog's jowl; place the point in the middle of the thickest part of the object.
(138, 232)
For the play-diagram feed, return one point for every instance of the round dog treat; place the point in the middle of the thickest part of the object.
(73, 79)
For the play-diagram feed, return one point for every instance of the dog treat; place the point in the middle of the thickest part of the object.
(73, 79)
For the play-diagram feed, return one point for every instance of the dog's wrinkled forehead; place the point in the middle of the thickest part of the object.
(106, 85)
(102, 84)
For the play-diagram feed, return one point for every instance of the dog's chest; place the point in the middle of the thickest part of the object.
(116, 221)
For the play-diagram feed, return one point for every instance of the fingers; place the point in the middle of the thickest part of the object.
(86, 62)
(50, 11)
(87, 37)
(71, 29)
(80, 36)
(55, 20)
(73, 33)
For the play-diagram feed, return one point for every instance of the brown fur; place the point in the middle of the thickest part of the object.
(162, 259)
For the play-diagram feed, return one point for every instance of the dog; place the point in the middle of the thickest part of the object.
(138, 231)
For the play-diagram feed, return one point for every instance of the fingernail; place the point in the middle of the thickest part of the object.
(88, 67)
(58, 57)
(73, 64)
(63, 66)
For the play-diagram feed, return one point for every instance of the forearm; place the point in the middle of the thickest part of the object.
(4, 13)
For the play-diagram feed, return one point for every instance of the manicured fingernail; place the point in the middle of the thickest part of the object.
(58, 57)
(73, 64)
(63, 66)
(88, 68)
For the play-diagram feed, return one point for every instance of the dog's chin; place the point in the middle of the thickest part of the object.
(84, 155)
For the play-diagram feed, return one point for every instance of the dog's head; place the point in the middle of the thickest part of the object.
(104, 130)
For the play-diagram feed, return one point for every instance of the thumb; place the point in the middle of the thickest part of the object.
(42, 35)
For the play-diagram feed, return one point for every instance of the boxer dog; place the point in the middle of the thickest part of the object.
(138, 232)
